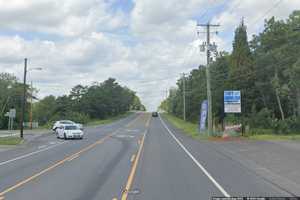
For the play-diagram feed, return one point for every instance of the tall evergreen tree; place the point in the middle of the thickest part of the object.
(241, 73)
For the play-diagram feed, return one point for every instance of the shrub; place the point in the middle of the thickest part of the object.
(280, 126)
(294, 124)
(77, 117)
(262, 119)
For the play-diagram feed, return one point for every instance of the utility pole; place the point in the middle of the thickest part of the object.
(183, 84)
(209, 48)
(23, 99)
(31, 101)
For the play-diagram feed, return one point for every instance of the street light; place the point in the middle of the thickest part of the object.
(24, 94)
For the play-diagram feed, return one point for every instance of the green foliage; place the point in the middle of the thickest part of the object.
(191, 129)
(10, 97)
(10, 140)
(261, 119)
(98, 101)
(87, 103)
(267, 72)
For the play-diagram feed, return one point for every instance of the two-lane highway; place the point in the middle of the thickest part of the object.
(94, 168)
(139, 157)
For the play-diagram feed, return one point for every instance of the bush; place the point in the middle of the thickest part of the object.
(77, 117)
(260, 131)
(280, 126)
(294, 124)
(262, 119)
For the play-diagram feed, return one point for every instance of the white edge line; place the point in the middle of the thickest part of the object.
(29, 154)
(195, 161)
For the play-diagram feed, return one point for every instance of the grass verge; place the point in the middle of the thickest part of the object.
(96, 122)
(10, 140)
(191, 130)
(188, 128)
(274, 137)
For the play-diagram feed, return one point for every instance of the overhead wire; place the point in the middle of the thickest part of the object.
(267, 12)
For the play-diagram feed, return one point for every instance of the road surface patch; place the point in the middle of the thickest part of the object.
(220, 188)
(133, 121)
(148, 121)
(130, 179)
(29, 154)
(21, 183)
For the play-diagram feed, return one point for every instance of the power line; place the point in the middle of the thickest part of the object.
(235, 6)
(267, 12)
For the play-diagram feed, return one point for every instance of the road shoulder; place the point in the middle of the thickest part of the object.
(270, 161)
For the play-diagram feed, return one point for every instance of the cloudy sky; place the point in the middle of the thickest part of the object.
(144, 44)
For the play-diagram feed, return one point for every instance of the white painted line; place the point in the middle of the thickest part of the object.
(124, 136)
(73, 157)
(42, 146)
(195, 161)
(29, 154)
(52, 142)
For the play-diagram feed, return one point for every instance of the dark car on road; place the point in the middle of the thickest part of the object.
(154, 114)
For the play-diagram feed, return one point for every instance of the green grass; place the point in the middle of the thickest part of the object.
(191, 130)
(10, 140)
(274, 137)
(96, 122)
(188, 128)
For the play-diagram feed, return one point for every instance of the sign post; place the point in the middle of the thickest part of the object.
(11, 115)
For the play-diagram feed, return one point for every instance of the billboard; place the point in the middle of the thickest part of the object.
(232, 101)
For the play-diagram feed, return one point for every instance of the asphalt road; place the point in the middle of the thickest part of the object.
(138, 157)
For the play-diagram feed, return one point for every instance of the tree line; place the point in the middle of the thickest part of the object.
(82, 104)
(265, 69)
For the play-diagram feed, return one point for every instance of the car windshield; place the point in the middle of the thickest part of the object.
(71, 128)
(66, 122)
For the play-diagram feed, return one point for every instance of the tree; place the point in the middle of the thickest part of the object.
(241, 69)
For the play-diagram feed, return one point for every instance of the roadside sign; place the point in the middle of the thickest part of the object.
(232, 101)
(203, 115)
(12, 113)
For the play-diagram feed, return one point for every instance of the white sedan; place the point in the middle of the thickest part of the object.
(69, 132)
(65, 123)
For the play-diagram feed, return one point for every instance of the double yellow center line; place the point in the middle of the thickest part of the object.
(133, 170)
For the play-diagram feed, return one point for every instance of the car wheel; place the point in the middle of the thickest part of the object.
(65, 136)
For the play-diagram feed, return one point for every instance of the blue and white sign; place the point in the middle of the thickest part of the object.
(232, 101)
(203, 115)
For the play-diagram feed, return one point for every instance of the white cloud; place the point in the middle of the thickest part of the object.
(146, 49)
(66, 18)
(254, 13)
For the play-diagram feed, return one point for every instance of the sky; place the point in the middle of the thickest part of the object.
(144, 44)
